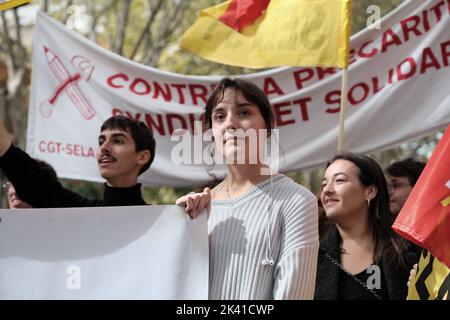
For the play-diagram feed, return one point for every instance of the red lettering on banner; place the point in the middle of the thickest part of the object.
(375, 83)
(54, 147)
(280, 113)
(401, 74)
(78, 151)
(141, 87)
(179, 88)
(116, 112)
(300, 79)
(171, 117)
(113, 78)
(405, 70)
(198, 91)
(81, 152)
(69, 149)
(333, 97)
(136, 117)
(136, 84)
(367, 55)
(433, 63)
(407, 29)
(270, 86)
(445, 50)
(42, 146)
(365, 93)
(166, 124)
(426, 21)
(391, 76)
(351, 58)
(152, 125)
(386, 42)
(303, 103)
(322, 72)
(167, 95)
(437, 10)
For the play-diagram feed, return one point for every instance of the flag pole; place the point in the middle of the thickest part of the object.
(344, 85)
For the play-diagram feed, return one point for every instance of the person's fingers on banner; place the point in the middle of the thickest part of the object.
(187, 201)
(412, 275)
(195, 202)
(189, 206)
(205, 200)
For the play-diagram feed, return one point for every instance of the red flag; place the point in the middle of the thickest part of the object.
(425, 217)
(241, 13)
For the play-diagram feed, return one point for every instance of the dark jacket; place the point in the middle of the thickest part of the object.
(41, 190)
(328, 273)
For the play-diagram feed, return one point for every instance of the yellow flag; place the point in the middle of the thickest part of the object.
(432, 281)
(5, 5)
(288, 33)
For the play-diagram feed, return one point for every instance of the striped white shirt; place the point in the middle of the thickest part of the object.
(238, 243)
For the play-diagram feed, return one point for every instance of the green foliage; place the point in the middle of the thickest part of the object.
(164, 195)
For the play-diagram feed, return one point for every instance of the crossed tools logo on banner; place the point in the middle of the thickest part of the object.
(68, 83)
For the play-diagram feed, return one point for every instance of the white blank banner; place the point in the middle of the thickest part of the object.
(146, 252)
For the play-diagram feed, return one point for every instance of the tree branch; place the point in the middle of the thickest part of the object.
(20, 57)
(122, 25)
(165, 33)
(147, 29)
(97, 14)
(8, 40)
(45, 6)
(91, 10)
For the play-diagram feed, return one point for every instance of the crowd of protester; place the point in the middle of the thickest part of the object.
(269, 237)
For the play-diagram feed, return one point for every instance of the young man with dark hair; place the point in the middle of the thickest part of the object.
(126, 149)
(401, 178)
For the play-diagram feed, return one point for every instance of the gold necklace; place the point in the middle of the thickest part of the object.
(221, 186)
(228, 192)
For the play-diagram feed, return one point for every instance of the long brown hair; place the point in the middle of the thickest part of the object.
(388, 245)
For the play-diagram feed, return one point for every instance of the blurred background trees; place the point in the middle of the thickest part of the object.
(145, 31)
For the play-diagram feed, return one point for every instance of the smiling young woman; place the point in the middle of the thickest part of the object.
(360, 257)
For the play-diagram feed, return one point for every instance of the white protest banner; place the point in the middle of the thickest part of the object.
(145, 252)
(397, 92)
